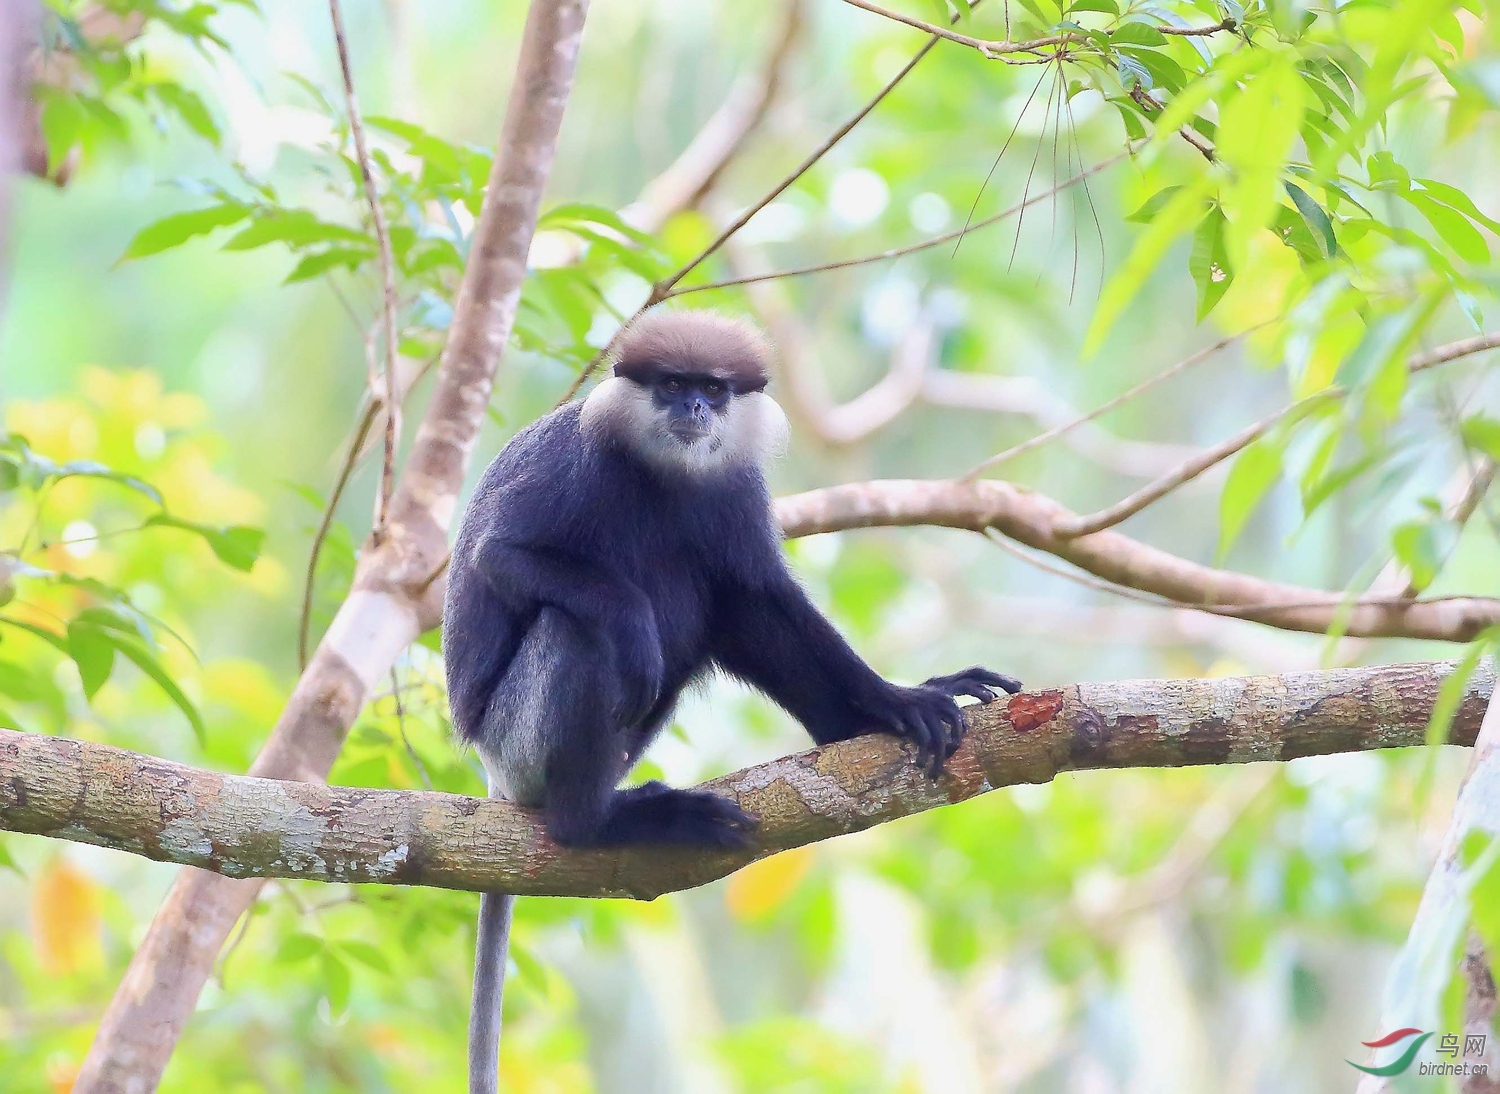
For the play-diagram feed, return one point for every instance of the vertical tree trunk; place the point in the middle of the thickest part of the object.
(393, 597)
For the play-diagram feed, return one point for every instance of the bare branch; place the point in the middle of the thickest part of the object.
(796, 173)
(325, 522)
(1154, 491)
(1191, 469)
(690, 177)
(1032, 519)
(1443, 912)
(991, 49)
(911, 248)
(248, 827)
(387, 392)
(394, 596)
(1119, 400)
(662, 290)
(17, 31)
(998, 50)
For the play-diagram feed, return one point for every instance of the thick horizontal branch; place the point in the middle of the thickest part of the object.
(1038, 522)
(249, 827)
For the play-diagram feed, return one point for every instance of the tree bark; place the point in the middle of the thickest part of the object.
(248, 827)
(395, 595)
(1443, 915)
(1032, 519)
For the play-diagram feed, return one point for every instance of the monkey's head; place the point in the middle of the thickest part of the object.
(688, 393)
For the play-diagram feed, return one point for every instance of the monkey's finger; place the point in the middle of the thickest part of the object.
(938, 733)
(915, 729)
(958, 725)
(970, 679)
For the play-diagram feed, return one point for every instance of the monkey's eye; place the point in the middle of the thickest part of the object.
(713, 388)
(672, 385)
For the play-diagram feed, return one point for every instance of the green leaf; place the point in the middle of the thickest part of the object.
(148, 664)
(127, 621)
(18, 682)
(1147, 252)
(1137, 34)
(1165, 72)
(175, 230)
(1421, 546)
(189, 107)
(6, 862)
(1452, 195)
(1153, 205)
(1316, 218)
(93, 470)
(315, 265)
(580, 212)
(1255, 471)
(295, 228)
(93, 652)
(336, 982)
(1109, 7)
(56, 641)
(1482, 432)
(1209, 261)
(366, 954)
(1452, 226)
(299, 946)
(236, 545)
(1451, 692)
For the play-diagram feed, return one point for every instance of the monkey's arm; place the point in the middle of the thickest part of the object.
(525, 578)
(776, 639)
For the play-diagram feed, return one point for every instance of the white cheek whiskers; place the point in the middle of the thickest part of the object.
(751, 429)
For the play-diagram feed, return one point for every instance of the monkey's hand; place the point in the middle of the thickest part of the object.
(929, 717)
(638, 660)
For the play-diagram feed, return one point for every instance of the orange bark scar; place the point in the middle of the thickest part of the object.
(1030, 711)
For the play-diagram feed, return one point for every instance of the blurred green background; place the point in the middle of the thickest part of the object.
(1185, 930)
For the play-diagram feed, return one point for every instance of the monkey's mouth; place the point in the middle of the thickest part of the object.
(688, 431)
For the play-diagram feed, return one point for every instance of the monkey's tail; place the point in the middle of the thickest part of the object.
(491, 950)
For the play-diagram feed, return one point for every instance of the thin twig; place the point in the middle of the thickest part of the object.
(1154, 491)
(1191, 469)
(990, 49)
(1233, 611)
(1478, 485)
(662, 290)
(387, 273)
(351, 457)
(1190, 32)
(911, 248)
(801, 169)
(698, 168)
(1141, 388)
(1148, 102)
(996, 50)
(401, 727)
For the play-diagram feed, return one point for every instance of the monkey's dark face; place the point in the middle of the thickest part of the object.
(691, 405)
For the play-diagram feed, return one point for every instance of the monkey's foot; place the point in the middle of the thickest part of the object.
(655, 813)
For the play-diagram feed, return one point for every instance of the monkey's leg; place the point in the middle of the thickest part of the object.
(588, 755)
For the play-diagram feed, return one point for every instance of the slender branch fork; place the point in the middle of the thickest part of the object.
(663, 289)
(388, 394)
(1154, 491)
